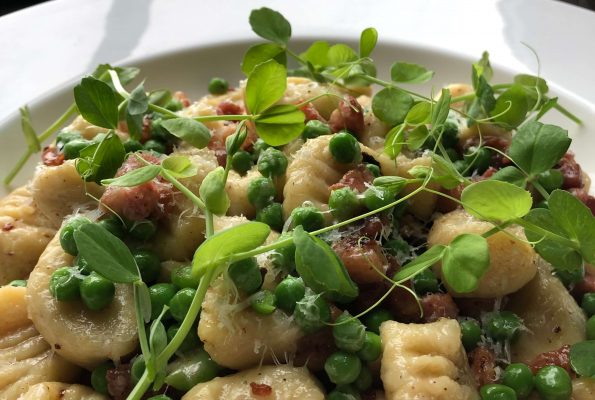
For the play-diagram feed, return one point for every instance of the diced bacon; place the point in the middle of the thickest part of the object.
(483, 365)
(119, 381)
(571, 172)
(311, 113)
(357, 179)
(313, 349)
(474, 307)
(228, 108)
(260, 389)
(362, 257)
(181, 96)
(51, 157)
(349, 115)
(559, 357)
(438, 305)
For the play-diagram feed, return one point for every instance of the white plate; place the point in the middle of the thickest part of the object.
(180, 44)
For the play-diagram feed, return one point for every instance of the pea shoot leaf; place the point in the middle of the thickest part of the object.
(263, 52)
(96, 101)
(536, 147)
(547, 105)
(417, 137)
(138, 103)
(270, 25)
(441, 109)
(340, 53)
(367, 42)
(160, 97)
(179, 166)
(101, 160)
(134, 177)
(512, 175)
(125, 74)
(394, 141)
(106, 254)
(419, 114)
(582, 358)
(391, 105)
(212, 192)
(142, 300)
(394, 183)
(266, 85)
(321, 269)
(30, 136)
(420, 263)
(410, 73)
(511, 107)
(465, 261)
(317, 54)
(496, 201)
(134, 124)
(443, 172)
(532, 81)
(280, 124)
(482, 68)
(193, 132)
(220, 246)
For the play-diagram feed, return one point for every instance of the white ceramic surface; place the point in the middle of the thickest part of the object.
(179, 44)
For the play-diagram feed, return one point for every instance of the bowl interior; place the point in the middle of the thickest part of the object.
(189, 70)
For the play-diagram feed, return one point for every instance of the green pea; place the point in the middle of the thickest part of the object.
(425, 282)
(99, 377)
(258, 147)
(174, 105)
(315, 128)
(479, 159)
(132, 146)
(376, 317)
(344, 148)
(73, 148)
(374, 169)
(570, 277)
(218, 86)
(450, 134)
(503, 325)
(272, 162)
(311, 312)
(64, 137)
(96, 291)
(155, 145)
(470, 333)
(496, 391)
(137, 369)
(364, 380)
(263, 302)
(143, 230)
(183, 277)
(288, 292)
(67, 234)
(18, 283)
(342, 368)
(148, 264)
(310, 218)
(246, 276)
(65, 284)
(551, 180)
(113, 225)
(588, 304)
(160, 295)
(180, 303)
(344, 392)
(372, 347)
(553, 383)
(241, 162)
(591, 328)
(261, 192)
(190, 342)
(349, 333)
(195, 367)
(519, 377)
(272, 215)
(344, 203)
(376, 197)
(160, 397)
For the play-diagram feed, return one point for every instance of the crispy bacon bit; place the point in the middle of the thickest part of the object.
(483, 365)
(312, 113)
(181, 96)
(151, 199)
(260, 389)
(362, 257)
(355, 179)
(119, 381)
(474, 307)
(438, 305)
(403, 304)
(349, 115)
(571, 172)
(9, 226)
(559, 357)
(228, 108)
(51, 157)
(314, 349)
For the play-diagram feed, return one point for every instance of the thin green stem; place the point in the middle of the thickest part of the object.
(296, 57)
(236, 117)
(140, 388)
(564, 111)
(142, 334)
(547, 234)
(210, 230)
(390, 84)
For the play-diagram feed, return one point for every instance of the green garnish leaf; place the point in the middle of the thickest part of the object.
(280, 124)
(106, 254)
(125, 74)
(496, 201)
(212, 192)
(101, 160)
(317, 54)
(410, 73)
(582, 358)
(134, 124)
(536, 147)
(482, 68)
(391, 105)
(511, 107)
(394, 141)
(143, 300)
(238, 239)
(160, 97)
(443, 172)
(138, 103)
(419, 263)
(339, 54)
(545, 107)
(266, 85)
(419, 114)
(30, 136)
(261, 53)
(532, 82)
(135, 177)
(193, 132)
(394, 183)
(179, 166)
(417, 137)
(441, 109)
(321, 269)
(157, 337)
(367, 42)
(270, 25)
(96, 101)
(465, 261)
(512, 175)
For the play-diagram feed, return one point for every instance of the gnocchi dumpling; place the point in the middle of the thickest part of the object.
(61, 391)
